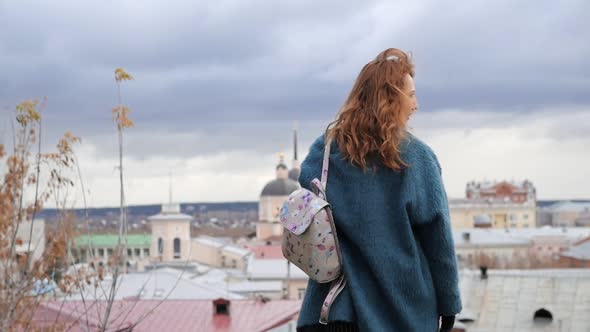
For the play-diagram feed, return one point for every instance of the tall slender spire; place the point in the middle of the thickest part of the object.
(295, 170)
(170, 207)
(295, 141)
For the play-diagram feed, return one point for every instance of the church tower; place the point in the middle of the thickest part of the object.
(171, 233)
(271, 200)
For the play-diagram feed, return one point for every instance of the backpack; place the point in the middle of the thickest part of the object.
(309, 236)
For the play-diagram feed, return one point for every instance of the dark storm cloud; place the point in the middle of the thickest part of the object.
(229, 74)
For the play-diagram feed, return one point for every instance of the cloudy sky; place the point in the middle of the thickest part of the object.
(503, 87)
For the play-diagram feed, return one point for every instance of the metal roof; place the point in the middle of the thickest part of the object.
(515, 236)
(487, 236)
(174, 315)
(236, 250)
(158, 284)
(280, 187)
(273, 269)
(508, 299)
(210, 241)
(579, 251)
(111, 240)
(569, 206)
(170, 217)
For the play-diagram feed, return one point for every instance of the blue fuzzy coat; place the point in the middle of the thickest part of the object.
(395, 235)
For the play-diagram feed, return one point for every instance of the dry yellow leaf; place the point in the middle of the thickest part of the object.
(121, 116)
(27, 112)
(122, 75)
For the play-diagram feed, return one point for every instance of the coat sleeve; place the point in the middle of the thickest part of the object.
(431, 221)
(311, 167)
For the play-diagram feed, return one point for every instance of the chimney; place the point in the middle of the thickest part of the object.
(484, 272)
(262, 298)
(221, 307)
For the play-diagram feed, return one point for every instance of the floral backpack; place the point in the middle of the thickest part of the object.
(309, 238)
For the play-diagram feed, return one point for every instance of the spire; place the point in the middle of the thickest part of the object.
(295, 141)
(170, 207)
(295, 170)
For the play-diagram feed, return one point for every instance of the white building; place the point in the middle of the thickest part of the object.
(514, 248)
(565, 213)
(219, 253)
(171, 234)
(293, 279)
(502, 213)
(31, 245)
(508, 204)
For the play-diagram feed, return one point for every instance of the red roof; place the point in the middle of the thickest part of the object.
(172, 315)
(267, 252)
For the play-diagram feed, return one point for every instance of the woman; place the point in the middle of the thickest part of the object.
(390, 210)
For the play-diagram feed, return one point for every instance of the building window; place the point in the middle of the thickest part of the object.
(110, 252)
(100, 252)
(234, 263)
(160, 246)
(222, 261)
(543, 316)
(146, 252)
(128, 252)
(176, 247)
(525, 216)
(137, 252)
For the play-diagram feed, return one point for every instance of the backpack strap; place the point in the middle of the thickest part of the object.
(335, 288)
(326, 163)
(337, 285)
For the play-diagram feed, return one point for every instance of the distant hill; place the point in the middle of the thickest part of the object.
(149, 210)
(193, 208)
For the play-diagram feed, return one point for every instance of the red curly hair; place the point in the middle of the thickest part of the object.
(372, 122)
